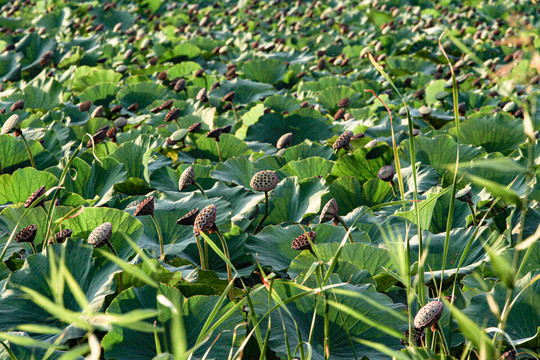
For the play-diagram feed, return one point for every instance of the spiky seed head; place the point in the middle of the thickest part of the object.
(17, 105)
(133, 107)
(180, 85)
(189, 218)
(61, 236)
(201, 95)
(339, 114)
(85, 105)
(35, 195)
(229, 96)
(98, 112)
(166, 104)
(509, 355)
(417, 335)
(195, 127)
(284, 141)
(386, 173)
(146, 207)
(329, 211)
(27, 234)
(100, 235)
(204, 221)
(428, 315)
(265, 180)
(343, 141)
(304, 241)
(172, 115)
(187, 178)
(10, 123)
(343, 103)
(120, 122)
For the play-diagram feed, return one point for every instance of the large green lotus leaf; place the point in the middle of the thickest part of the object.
(121, 343)
(96, 282)
(142, 93)
(440, 214)
(347, 191)
(523, 324)
(426, 178)
(433, 88)
(246, 90)
(499, 132)
(22, 183)
(13, 154)
(307, 168)
(23, 352)
(122, 224)
(307, 149)
(459, 237)
(244, 203)
(229, 144)
(363, 164)
(100, 94)
(303, 124)
(177, 237)
(268, 71)
(9, 66)
(111, 17)
(280, 103)
(272, 246)
(319, 85)
(33, 46)
(237, 170)
(45, 97)
(364, 256)
(346, 271)
(330, 97)
(135, 155)
(94, 77)
(180, 52)
(185, 68)
(409, 65)
(292, 200)
(438, 152)
(341, 345)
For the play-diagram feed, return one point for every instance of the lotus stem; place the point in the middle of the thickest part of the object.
(346, 228)
(265, 213)
(234, 111)
(177, 124)
(158, 230)
(200, 187)
(120, 274)
(219, 151)
(28, 150)
(229, 272)
(205, 83)
(473, 213)
(33, 247)
(201, 253)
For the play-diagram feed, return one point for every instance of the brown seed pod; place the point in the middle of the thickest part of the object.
(343, 141)
(10, 124)
(189, 218)
(509, 355)
(166, 104)
(201, 95)
(205, 220)
(85, 106)
(133, 107)
(27, 234)
(180, 85)
(428, 315)
(304, 241)
(329, 211)
(101, 235)
(17, 105)
(46, 57)
(187, 178)
(199, 73)
(146, 207)
(162, 75)
(343, 103)
(265, 180)
(215, 85)
(99, 136)
(35, 195)
(386, 173)
(418, 335)
(98, 112)
(284, 141)
(229, 96)
(111, 133)
(214, 133)
(116, 108)
(339, 114)
(172, 115)
(195, 127)
(61, 236)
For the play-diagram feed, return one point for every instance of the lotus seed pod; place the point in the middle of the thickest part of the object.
(85, 106)
(10, 123)
(428, 315)
(371, 144)
(99, 136)
(120, 122)
(101, 235)
(178, 135)
(417, 335)
(214, 133)
(195, 127)
(265, 180)
(187, 178)
(284, 141)
(61, 236)
(214, 86)
(111, 133)
(189, 218)
(201, 95)
(35, 195)
(304, 241)
(17, 105)
(343, 103)
(205, 220)
(229, 97)
(509, 355)
(46, 57)
(441, 95)
(386, 173)
(162, 75)
(27, 234)
(172, 115)
(199, 73)
(329, 211)
(116, 108)
(225, 129)
(146, 207)
(166, 105)
(339, 114)
(464, 195)
(121, 69)
(343, 141)
(133, 107)
(424, 110)
(98, 112)
(180, 85)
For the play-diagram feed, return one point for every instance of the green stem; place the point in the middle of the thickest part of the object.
(177, 124)
(473, 213)
(201, 253)
(234, 111)
(33, 247)
(120, 274)
(265, 214)
(229, 272)
(346, 228)
(219, 151)
(200, 189)
(158, 230)
(28, 150)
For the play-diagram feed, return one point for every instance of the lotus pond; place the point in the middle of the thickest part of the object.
(269, 180)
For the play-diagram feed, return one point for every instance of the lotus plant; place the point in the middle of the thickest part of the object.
(429, 315)
(386, 173)
(188, 178)
(343, 141)
(216, 133)
(304, 241)
(101, 236)
(330, 212)
(35, 196)
(12, 124)
(28, 235)
(146, 207)
(266, 181)
(465, 195)
(229, 100)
